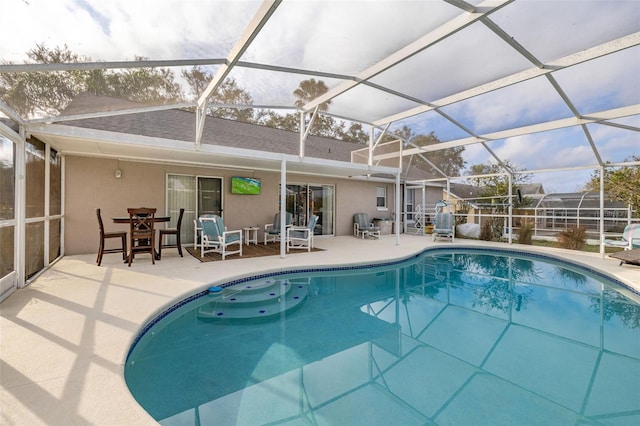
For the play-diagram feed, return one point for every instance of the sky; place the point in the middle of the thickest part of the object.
(347, 37)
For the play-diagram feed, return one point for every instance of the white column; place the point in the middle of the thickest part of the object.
(510, 222)
(602, 210)
(397, 219)
(20, 206)
(283, 207)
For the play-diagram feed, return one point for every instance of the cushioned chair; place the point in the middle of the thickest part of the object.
(272, 230)
(215, 238)
(629, 239)
(301, 237)
(122, 235)
(444, 223)
(142, 235)
(363, 228)
(171, 232)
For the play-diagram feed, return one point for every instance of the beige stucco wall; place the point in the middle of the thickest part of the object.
(90, 183)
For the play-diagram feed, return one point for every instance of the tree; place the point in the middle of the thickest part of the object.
(310, 89)
(228, 93)
(621, 184)
(448, 160)
(49, 92)
(144, 85)
(354, 133)
(498, 185)
(271, 118)
(43, 93)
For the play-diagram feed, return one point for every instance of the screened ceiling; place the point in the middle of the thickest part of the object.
(551, 87)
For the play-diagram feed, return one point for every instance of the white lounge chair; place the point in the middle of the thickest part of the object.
(629, 239)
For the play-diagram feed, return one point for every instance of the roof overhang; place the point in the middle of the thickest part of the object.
(70, 140)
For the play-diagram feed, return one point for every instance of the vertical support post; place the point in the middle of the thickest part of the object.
(303, 132)
(397, 218)
(404, 208)
(62, 201)
(424, 208)
(370, 146)
(510, 221)
(283, 207)
(47, 199)
(20, 206)
(601, 210)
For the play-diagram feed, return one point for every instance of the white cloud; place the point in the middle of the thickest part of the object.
(158, 29)
(348, 37)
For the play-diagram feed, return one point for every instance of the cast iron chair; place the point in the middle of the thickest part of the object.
(142, 235)
(171, 231)
(114, 234)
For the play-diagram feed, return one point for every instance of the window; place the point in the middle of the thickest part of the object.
(409, 204)
(381, 197)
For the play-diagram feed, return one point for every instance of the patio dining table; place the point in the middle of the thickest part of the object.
(156, 219)
(125, 219)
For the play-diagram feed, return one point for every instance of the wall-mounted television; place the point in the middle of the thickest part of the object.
(245, 185)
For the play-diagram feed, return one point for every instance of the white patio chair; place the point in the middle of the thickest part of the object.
(301, 237)
(215, 237)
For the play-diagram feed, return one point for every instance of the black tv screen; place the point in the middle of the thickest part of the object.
(245, 185)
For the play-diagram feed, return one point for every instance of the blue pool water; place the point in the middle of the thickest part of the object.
(469, 337)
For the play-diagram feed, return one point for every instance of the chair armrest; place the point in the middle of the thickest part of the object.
(238, 231)
(297, 228)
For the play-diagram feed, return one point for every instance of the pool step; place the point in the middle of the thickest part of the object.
(254, 300)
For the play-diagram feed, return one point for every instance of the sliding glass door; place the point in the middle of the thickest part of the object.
(197, 195)
(304, 200)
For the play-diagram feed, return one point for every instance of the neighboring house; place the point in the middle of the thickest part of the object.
(469, 199)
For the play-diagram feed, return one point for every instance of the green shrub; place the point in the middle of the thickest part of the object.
(525, 233)
(573, 238)
(485, 232)
(491, 229)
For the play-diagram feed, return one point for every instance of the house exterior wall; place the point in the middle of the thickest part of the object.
(90, 183)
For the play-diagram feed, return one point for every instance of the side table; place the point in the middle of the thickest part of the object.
(251, 235)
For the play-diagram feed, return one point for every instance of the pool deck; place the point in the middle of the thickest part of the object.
(64, 338)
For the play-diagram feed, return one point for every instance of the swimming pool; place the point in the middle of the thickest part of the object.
(465, 337)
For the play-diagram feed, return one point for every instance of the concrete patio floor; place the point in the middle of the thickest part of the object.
(64, 338)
